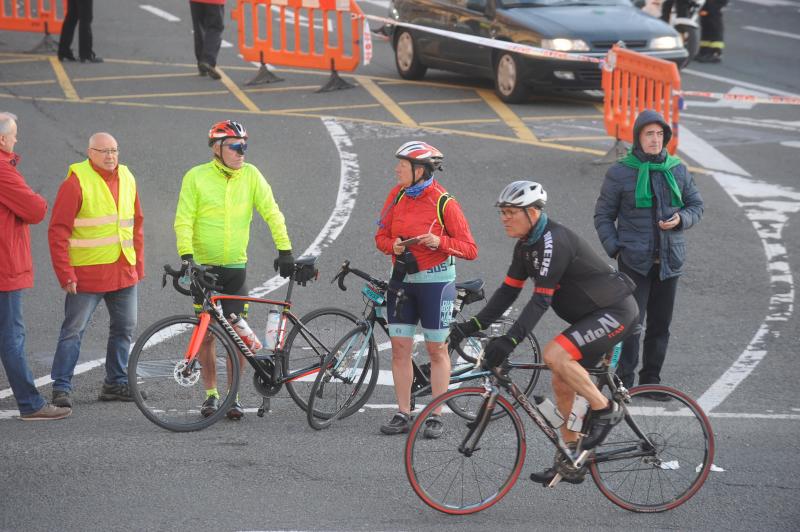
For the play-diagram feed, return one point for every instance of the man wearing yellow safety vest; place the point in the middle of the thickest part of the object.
(212, 227)
(97, 249)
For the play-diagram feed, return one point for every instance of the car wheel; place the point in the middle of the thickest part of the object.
(406, 58)
(508, 79)
(691, 40)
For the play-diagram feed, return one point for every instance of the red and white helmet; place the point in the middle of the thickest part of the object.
(227, 129)
(417, 152)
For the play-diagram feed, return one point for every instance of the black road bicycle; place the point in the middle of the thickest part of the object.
(654, 460)
(336, 389)
(167, 374)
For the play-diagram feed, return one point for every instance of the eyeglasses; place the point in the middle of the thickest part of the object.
(107, 151)
(508, 213)
(239, 147)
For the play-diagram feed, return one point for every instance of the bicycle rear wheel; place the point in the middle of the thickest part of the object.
(349, 377)
(168, 390)
(456, 482)
(674, 470)
(301, 351)
(528, 352)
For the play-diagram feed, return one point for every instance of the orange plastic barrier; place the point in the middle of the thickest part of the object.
(37, 16)
(317, 34)
(633, 82)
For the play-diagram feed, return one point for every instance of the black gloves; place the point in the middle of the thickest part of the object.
(460, 331)
(284, 264)
(497, 350)
(187, 263)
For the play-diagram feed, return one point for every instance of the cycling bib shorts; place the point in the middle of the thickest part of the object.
(427, 303)
(232, 282)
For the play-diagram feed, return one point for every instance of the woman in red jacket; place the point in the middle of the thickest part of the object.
(423, 229)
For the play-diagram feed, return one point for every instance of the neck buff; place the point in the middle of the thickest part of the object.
(644, 193)
(538, 230)
(415, 190)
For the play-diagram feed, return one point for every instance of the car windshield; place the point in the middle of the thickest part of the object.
(551, 3)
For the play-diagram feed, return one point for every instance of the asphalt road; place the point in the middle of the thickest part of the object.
(329, 160)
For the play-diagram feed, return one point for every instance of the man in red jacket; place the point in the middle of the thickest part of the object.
(207, 19)
(19, 206)
(97, 248)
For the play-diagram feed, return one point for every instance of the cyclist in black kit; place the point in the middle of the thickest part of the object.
(568, 275)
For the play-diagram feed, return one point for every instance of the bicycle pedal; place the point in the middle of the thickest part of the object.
(553, 483)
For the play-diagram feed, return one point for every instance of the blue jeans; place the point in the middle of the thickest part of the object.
(78, 309)
(12, 353)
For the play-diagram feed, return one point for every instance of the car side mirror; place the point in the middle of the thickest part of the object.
(476, 5)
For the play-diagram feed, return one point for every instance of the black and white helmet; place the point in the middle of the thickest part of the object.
(522, 194)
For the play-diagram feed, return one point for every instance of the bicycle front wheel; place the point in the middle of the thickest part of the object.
(304, 354)
(454, 481)
(168, 389)
(347, 380)
(640, 478)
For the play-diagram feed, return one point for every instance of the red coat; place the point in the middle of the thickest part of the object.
(19, 207)
(412, 217)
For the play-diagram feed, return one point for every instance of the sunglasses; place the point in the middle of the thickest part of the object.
(239, 147)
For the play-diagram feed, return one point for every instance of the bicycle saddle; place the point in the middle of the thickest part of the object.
(473, 290)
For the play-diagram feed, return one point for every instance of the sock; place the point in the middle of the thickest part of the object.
(212, 391)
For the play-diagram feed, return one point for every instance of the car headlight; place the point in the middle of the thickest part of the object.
(565, 45)
(668, 42)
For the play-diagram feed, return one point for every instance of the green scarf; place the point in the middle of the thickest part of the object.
(644, 193)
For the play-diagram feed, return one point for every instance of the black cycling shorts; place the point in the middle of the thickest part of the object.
(232, 282)
(591, 337)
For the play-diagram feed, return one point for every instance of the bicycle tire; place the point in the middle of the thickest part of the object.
(684, 442)
(435, 466)
(328, 324)
(343, 364)
(172, 400)
(527, 352)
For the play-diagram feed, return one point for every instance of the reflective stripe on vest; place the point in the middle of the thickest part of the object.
(100, 231)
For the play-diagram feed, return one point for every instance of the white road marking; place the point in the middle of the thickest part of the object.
(160, 13)
(768, 207)
(745, 121)
(773, 3)
(772, 32)
(225, 44)
(739, 83)
(791, 144)
(349, 176)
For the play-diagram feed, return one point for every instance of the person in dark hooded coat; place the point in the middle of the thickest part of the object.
(647, 202)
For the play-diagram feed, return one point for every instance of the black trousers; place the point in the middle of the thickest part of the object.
(78, 11)
(712, 30)
(656, 299)
(207, 20)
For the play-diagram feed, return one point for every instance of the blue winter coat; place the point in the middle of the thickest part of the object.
(632, 232)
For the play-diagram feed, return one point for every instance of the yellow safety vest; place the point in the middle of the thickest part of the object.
(101, 231)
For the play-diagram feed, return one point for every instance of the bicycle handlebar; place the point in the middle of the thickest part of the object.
(198, 274)
(346, 269)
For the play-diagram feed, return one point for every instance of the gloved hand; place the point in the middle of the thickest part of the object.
(187, 265)
(284, 264)
(497, 350)
(460, 331)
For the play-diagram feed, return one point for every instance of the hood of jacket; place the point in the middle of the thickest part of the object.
(648, 116)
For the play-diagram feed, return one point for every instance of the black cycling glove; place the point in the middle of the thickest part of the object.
(497, 351)
(460, 331)
(284, 264)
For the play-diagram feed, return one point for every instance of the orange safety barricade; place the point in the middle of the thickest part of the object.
(633, 82)
(37, 16)
(316, 34)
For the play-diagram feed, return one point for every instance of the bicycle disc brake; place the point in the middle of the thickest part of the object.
(270, 387)
(186, 374)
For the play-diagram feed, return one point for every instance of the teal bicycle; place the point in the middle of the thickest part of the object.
(340, 383)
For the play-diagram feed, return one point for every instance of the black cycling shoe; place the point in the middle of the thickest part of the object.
(600, 424)
(546, 477)
(236, 412)
(399, 424)
(434, 428)
(210, 406)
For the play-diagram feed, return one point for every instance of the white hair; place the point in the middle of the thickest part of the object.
(6, 119)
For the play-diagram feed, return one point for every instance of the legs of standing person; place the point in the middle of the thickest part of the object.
(435, 308)
(198, 13)
(402, 371)
(12, 353)
(214, 25)
(122, 310)
(656, 336)
(68, 31)
(78, 309)
(85, 16)
(629, 358)
(712, 40)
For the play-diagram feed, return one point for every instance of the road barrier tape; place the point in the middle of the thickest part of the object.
(523, 49)
(749, 98)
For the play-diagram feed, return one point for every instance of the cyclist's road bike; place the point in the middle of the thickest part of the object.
(167, 377)
(655, 459)
(337, 389)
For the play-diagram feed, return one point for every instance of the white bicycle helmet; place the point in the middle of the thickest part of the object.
(522, 194)
(417, 152)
